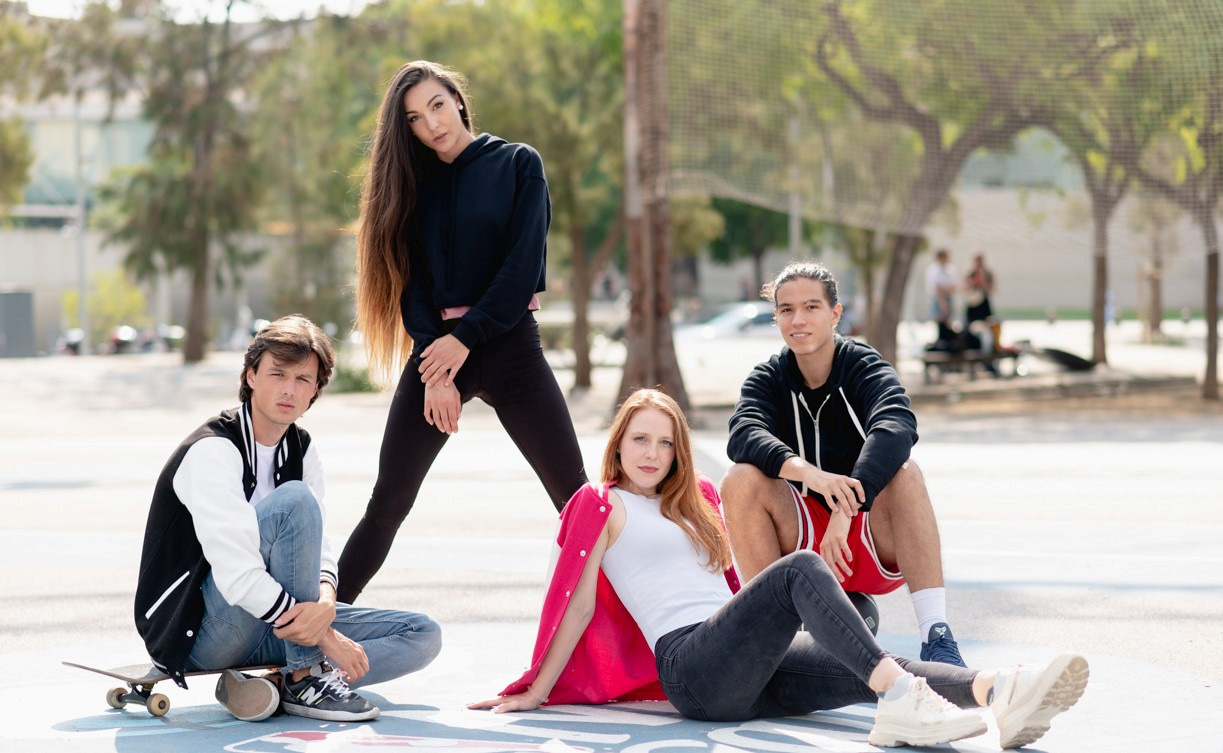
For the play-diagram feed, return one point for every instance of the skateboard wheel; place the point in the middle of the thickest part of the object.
(158, 704)
(114, 698)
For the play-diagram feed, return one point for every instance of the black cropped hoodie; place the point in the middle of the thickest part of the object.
(478, 238)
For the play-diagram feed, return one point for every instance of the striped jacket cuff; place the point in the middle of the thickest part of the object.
(283, 603)
(330, 578)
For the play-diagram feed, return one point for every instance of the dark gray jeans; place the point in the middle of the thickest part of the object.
(753, 658)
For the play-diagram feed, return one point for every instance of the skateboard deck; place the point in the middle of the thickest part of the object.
(141, 679)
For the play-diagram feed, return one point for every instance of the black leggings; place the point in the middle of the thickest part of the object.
(509, 373)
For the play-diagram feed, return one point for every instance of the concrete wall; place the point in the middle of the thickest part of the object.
(46, 262)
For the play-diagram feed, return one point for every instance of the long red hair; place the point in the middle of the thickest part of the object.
(681, 500)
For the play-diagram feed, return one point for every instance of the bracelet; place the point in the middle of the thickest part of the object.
(536, 696)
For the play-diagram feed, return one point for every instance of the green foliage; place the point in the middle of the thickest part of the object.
(347, 377)
(20, 49)
(749, 230)
(16, 157)
(202, 185)
(114, 299)
(308, 136)
(695, 223)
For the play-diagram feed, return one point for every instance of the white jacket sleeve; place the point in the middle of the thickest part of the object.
(312, 475)
(209, 483)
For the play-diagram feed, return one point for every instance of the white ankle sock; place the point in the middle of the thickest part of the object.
(899, 688)
(930, 604)
(1001, 678)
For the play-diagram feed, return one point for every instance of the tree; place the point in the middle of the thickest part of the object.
(650, 350)
(569, 97)
(959, 85)
(20, 45)
(1155, 218)
(201, 187)
(1184, 91)
(113, 301)
(867, 251)
(308, 132)
(694, 225)
(750, 231)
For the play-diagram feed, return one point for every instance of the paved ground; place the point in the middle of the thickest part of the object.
(1089, 524)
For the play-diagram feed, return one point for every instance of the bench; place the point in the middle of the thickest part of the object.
(935, 363)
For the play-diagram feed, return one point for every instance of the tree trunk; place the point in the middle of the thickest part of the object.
(667, 373)
(1210, 382)
(650, 352)
(580, 289)
(1155, 311)
(197, 311)
(883, 338)
(1099, 292)
(582, 281)
(758, 268)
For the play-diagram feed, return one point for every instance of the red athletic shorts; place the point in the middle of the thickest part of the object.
(869, 575)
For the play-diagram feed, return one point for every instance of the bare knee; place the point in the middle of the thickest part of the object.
(744, 484)
(906, 489)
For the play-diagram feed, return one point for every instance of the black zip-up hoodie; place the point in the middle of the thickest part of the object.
(478, 238)
(858, 423)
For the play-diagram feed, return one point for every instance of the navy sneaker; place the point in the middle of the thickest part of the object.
(940, 646)
(323, 694)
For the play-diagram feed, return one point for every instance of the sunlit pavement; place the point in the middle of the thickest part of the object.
(1098, 535)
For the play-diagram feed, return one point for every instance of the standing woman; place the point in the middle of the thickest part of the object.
(450, 258)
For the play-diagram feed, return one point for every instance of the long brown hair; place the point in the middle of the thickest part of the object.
(681, 500)
(388, 199)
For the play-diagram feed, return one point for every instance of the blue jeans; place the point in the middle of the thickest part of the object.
(290, 540)
(752, 658)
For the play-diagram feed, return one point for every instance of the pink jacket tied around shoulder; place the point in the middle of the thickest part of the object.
(612, 661)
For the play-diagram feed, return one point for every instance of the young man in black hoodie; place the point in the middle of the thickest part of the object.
(236, 570)
(820, 439)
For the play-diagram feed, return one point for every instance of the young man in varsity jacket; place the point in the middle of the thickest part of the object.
(236, 570)
(820, 440)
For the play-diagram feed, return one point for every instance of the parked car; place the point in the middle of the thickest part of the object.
(742, 319)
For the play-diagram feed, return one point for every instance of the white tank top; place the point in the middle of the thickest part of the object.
(657, 572)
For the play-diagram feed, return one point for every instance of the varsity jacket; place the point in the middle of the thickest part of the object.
(612, 660)
(201, 521)
(477, 237)
(858, 423)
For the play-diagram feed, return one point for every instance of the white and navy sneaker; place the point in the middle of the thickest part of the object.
(1027, 698)
(323, 694)
(916, 715)
(251, 699)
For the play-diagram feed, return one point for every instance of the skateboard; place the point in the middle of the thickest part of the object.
(141, 679)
